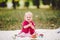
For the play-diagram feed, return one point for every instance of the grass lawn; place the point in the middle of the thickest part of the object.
(11, 19)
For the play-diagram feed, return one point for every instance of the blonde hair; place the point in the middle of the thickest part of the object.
(28, 13)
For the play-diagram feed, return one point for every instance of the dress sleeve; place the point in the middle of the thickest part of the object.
(24, 23)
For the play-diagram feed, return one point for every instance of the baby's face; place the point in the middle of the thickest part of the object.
(28, 18)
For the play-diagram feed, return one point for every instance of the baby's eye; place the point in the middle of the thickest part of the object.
(28, 17)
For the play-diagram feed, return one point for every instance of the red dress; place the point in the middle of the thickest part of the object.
(29, 29)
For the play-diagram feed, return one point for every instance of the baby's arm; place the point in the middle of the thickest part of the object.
(32, 26)
(26, 26)
(29, 25)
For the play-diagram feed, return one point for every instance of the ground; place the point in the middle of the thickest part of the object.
(49, 34)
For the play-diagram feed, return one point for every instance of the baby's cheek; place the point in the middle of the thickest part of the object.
(26, 19)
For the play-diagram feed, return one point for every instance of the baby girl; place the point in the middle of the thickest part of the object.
(28, 26)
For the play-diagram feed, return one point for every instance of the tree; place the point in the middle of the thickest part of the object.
(36, 3)
(27, 3)
(15, 3)
(3, 3)
(46, 2)
(55, 4)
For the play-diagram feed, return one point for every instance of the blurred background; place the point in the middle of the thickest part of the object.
(46, 13)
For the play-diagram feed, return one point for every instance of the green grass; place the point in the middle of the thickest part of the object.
(11, 19)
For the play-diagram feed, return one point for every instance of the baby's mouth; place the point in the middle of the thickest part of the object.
(28, 19)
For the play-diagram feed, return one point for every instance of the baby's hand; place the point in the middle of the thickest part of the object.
(30, 24)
